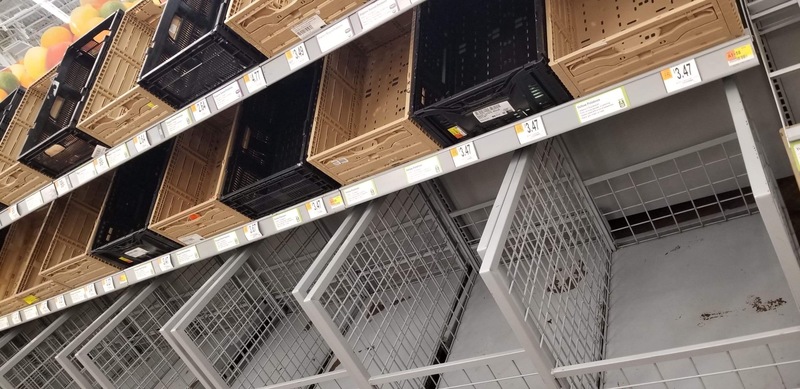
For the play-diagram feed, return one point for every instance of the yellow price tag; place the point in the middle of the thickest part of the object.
(30, 299)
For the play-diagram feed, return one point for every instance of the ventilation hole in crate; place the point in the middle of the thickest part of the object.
(632, 22)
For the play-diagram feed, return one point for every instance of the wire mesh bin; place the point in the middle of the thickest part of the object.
(20, 180)
(34, 366)
(248, 330)
(193, 52)
(594, 44)
(362, 125)
(117, 107)
(121, 234)
(547, 261)
(54, 144)
(455, 95)
(267, 169)
(15, 339)
(68, 234)
(273, 27)
(390, 295)
(129, 351)
(188, 208)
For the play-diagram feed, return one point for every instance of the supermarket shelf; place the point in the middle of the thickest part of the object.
(712, 65)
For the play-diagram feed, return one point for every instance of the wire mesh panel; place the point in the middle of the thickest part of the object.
(547, 260)
(695, 187)
(129, 352)
(249, 328)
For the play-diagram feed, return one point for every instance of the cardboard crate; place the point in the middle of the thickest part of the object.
(71, 226)
(274, 27)
(794, 158)
(21, 258)
(16, 179)
(362, 123)
(188, 208)
(594, 44)
(117, 107)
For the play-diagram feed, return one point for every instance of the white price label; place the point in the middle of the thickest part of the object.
(360, 192)
(49, 193)
(13, 212)
(101, 164)
(226, 241)
(181, 121)
(187, 255)
(63, 185)
(227, 95)
(308, 27)
(141, 143)
(34, 201)
(191, 239)
(98, 151)
(61, 302)
(136, 252)
(15, 318)
(602, 105)
(200, 110)
(297, 56)
(681, 76)
(144, 271)
(44, 308)
(287, 219)
(464, 154)
(316, 208)
(118, 155)
(337, 34)
(254, 80)
(376, 13)
(423, 170)
(251, 231)
(30, 313)
(493, 112)
(77, 295)
(165, 263)
(108, 284)
(90, 290)
(3, 322)
(85, 173)
(530, 131)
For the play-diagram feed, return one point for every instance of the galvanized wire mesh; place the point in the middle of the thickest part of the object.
(15, 339)
(471, 221)
(134, 354)
(253, 331)
(688, 189)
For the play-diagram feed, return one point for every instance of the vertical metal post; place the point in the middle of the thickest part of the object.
(765, 192)
(35, 342)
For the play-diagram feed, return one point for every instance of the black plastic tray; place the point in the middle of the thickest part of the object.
(7, 109)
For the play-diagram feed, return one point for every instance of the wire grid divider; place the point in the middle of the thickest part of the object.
(691, 188)
(66, 357)
(471, 221)
(763, 360)
(246, 329)
(11, 342)
(546, 261)
(34, 366)
(391, 294)
(129, 351)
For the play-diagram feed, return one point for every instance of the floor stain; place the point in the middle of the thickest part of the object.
(761, 306)
(674, 249)
(714, 315)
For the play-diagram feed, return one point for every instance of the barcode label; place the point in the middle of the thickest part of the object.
(308, 27)
(297, 56)
(493, 111)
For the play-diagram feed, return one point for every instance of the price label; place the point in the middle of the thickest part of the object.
(85, 173)
(227, 95)
(49, 193)
(165, 263)
(30, 313)
(191, 239)
(308, 27)
(98, 151)
(316, 208)
(464, 154)
(44, 308)
(30, 299)
(15, 318)
(602, 105)
(297, 56)
(123, 279)
(178, 122)
(108, 284)
(530, 131)
(13, 212)
(144, 271)
(141, 143)
(251, 231)
(63, 185)
(187, 255)
(423, 170)
(90, 290)
(336, 202)
(200, 110)
(740, 54)
(335, 35)
(680, 76)
(254, 80)
(61, 302)
(77, 295)
(34, 201)
(376, 13)
(118, 155)
(101, 164)
(360, 192)
(287, 219)
(226, 241)
(3, 322)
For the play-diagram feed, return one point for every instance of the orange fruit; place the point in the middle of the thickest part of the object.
(79, 19)
(3, 95)
(54, 35)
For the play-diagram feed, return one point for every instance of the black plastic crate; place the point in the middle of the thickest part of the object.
(122, 235)
(55, 145)
(7, 109)
(481, 56)
(193, 52)
(267, 168)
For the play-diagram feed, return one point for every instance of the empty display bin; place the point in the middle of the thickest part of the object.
(481, 67)
(267, 169)
(117, 107)
(273, 27)
(362, 124)
(193, 52)
(54, 144)
(121, 235)
(594, 44)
